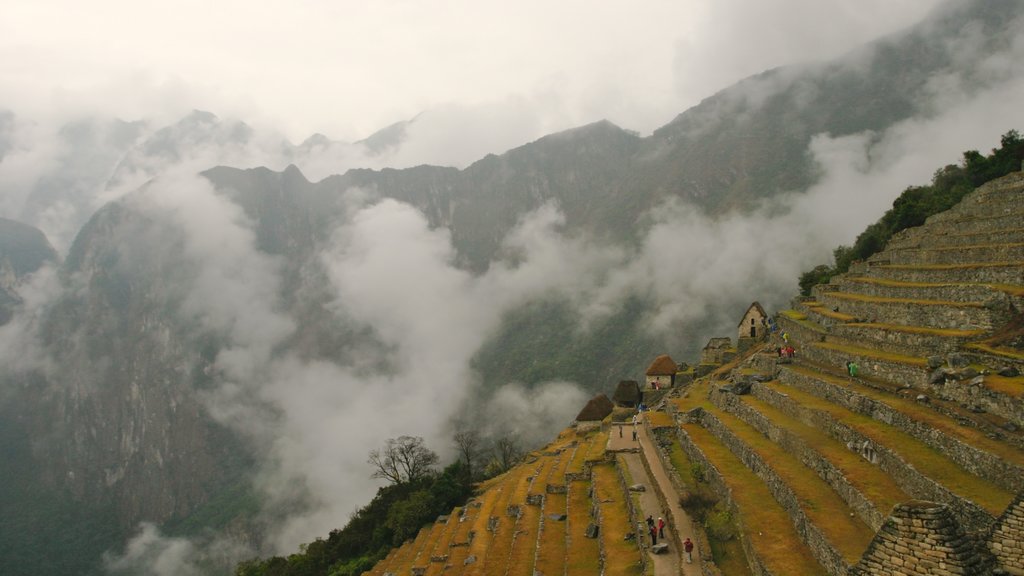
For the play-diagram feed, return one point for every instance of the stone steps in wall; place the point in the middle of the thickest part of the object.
(442, 544)
(1011, 273)
(944, 314)
(523, 553)
(836, 537)
(765, 526)
(972, 254)
(920, 470)
(864, 487)
(974, 447)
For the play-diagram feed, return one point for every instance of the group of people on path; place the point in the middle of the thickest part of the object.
(657, 530)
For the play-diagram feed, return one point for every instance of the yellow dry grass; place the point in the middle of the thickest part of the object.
(596, 450)
(904, 301)
(802, 319)
(868, 479)
(500, 549)
(659, 419)
(922, 330)
(820, 309)
(582, 553)
(551, 550)
(873, 353)
(907, 406)
(822, 506)
(925, 459)
(767, 526)
(621, 556)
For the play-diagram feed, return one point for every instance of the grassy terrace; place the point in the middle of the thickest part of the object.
(801, 319)
(890, 300)
(406, 560)
(821, 310)
(659, 419)
(621, 556)
(494, 503)
(598, 442)
(551, 549)
(579, 457)
(582, 553)
(441, 544)
(922, 330)
(966, 434)
(996, 350)
(971, 266)
(524, 543)
(635, 498)
(458, 554)
(500, 548)
(768, 527)
(728, 554)
(822, 505)
(922, 457)
(872, 353)
(421, 556)
(967, 247)
(868, 479)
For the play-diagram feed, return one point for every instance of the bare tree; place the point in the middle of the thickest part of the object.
(507, 452)
(467, 441)
(403, 459)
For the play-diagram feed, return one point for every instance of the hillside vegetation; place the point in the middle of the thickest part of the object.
(949, 185)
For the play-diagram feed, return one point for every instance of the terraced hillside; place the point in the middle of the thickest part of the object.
(892, 443)
(925, 430)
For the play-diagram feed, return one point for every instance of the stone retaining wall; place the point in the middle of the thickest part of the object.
(822, 550)
(978, 462)
(899, 342)
(922, 539)
(634, 518)
(957, 254)
(897, 373)
(946, 316)
(906, 476)
(700, 537)
(932, 239)
(812, 459)
(717, 482)
(1007, 541)
(951, 292)
(991, 274)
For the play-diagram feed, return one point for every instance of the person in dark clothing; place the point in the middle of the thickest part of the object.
(688, 548)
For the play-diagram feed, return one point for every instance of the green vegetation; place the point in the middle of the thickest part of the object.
(396, 513)
(916, 203)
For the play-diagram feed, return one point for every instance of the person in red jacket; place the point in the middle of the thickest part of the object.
(661, 527)
(688, 548)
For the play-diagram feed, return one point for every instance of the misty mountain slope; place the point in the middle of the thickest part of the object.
(23, 250)
(751, 139)
(209, 331)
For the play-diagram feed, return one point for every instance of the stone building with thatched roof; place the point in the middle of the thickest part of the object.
(628, 394)
(661, 373)
(596, 410)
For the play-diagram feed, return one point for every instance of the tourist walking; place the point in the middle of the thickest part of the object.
(661, 527)
(688, 548)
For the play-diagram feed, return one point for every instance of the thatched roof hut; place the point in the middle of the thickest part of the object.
(662, 366)
(597, 409)
(627, 394)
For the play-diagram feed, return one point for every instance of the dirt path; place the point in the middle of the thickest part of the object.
(675, 516)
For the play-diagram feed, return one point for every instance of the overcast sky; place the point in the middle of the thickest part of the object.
(348, 68)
